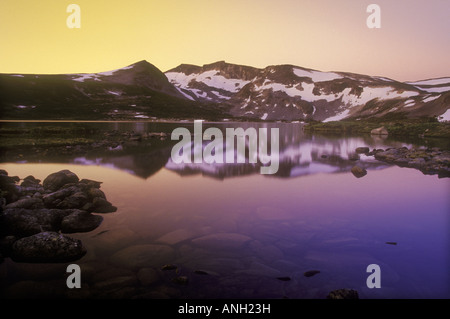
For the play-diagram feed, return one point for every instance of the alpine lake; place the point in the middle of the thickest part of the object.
(224, 230)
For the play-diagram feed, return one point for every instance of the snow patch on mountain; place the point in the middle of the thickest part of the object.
(211, 78)
(338, 117)
(81, 77)
(409, 103)
(431, 82)
(431, 98)
(433, 85)
(184, 94)
(370, 93)
(445, 117)
(316, 76)
(438, 89)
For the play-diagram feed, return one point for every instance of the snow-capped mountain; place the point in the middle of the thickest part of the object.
(287, 92)
(217, 91)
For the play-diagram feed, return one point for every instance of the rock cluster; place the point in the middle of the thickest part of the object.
(33, 216)
(429, 161)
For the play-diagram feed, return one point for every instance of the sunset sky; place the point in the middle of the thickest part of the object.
(413, 42)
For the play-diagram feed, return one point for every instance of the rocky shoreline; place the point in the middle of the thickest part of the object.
(35, 216)
(430, 161)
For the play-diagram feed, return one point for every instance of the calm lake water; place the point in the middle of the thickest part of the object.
(234, 232)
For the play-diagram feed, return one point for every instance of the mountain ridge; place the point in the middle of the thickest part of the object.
(308, 94)
(221, 90)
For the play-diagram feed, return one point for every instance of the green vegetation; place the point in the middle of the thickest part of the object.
(423, 127)
(54, 97)
(67, 134)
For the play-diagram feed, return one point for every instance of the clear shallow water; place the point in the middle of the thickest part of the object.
(246, 229)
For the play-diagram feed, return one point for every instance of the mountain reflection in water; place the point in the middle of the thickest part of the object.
(299, 153)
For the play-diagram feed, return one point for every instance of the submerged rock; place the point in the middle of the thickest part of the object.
(181, 280)
(221, 241)
(343, 294)
(358, 172)
(146, 255)
(47, 247)
(169, 267)
(311, 273)
(284, 278)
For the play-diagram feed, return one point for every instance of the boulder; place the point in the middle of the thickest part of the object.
(56, 180)
(362, 150)
(95, 192)
(91, 183)
(29, 203)
(76, 200)
(358, 172)
(8, 187)
(102, 206)
(26, 222)
(52, 200)
(30, 181)
(47, 247)
(379, 131)
(80, 221)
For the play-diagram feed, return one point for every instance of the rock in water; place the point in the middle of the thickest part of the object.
(358, 171)
(9, 189)
(26, 222)
(56, 180)
(47, 247)
(379, 131)
(102, 206)
(343, 294)
(80, 221)
(29, 203)
(311, 273)
(362, 150)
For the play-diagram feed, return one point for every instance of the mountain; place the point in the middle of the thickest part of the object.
(137, 91)
(217, 91)
(288, 92)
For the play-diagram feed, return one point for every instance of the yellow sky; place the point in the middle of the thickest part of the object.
(413, 42)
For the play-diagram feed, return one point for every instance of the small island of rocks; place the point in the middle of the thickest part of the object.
(35, 216)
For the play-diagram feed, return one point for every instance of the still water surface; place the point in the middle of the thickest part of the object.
(245, 230)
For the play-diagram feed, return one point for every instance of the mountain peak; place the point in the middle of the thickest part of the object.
(286, 92)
